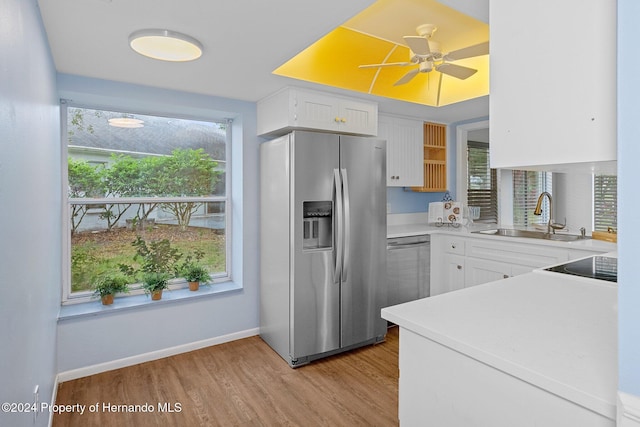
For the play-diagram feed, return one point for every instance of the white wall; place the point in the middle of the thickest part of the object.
(573, 200)
(628, 198)
(30, 210)
(90, 341)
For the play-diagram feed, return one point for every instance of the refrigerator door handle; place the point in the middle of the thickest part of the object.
(339, 234)
(347, 225)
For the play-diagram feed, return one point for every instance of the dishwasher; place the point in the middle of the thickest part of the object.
(408, 268)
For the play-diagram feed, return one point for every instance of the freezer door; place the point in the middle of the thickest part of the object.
(363, 287)
(314, 292)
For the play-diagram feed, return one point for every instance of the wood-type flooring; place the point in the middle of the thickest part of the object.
(241, 383)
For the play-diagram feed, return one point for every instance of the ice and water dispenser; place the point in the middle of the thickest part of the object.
(317, 223)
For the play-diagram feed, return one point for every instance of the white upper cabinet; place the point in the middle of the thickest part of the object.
(294, 108)
(404, 150)
(553, 84)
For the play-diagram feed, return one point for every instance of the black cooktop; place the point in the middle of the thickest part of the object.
(595, 267)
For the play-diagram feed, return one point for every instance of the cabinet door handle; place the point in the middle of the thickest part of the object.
(459, 267)
(453, 246)
(337, 119)
(343, 120)
(505, 276)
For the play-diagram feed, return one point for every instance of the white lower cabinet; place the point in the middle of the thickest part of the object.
(440, 386)
(480, 271)
(460, 262)
(447, 263)
(454, 277)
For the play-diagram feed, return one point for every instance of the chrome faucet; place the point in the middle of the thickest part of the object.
(551, 226)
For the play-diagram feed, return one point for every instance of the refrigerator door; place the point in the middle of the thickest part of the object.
(363, 287)
(314, 290)
(275, 262)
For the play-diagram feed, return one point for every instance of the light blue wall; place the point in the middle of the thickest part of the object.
(89, 341)
(628, 200)
(402, 200)
(30, 210)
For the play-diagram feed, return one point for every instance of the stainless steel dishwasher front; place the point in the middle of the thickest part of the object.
(408, 268)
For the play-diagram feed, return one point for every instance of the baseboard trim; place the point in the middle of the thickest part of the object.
(54, 396)
(628, 410)
(154, 355)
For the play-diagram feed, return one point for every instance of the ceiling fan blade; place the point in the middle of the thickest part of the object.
(468, 52)
(407, 77)
(457, 71)
(418, 44)
(388, 64)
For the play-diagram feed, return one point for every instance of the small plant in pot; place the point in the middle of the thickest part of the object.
(157, 261)
(192, 271)
(154, 283)
(195, 274)
(108, 285)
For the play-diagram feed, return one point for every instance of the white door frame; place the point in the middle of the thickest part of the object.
(462, 133)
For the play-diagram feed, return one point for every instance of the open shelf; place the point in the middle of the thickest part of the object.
(435, 158)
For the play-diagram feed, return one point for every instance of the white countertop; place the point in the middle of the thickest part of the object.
(404, 225)
(555, 331)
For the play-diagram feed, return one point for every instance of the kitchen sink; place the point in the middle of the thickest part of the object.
(511, 232)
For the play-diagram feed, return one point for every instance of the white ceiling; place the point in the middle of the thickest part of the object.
(244, 41)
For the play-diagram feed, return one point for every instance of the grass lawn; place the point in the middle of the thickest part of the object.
(96, 252)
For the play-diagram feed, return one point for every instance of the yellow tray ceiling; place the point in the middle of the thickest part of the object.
(375, 36)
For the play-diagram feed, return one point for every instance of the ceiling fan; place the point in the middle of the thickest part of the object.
(426, 54)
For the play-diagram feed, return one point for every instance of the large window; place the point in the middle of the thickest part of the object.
(527, 187)
(482, 182)
(143, 178)
(483, 186)
(605, 202)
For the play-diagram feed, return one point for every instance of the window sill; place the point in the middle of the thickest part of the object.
(135, 302)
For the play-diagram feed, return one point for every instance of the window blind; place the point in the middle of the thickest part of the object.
(482, 182)
(527, 187)
(605, 202)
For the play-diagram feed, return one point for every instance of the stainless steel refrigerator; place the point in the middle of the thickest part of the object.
(322, 244)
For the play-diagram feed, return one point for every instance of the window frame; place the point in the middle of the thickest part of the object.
(492, 192)
(67, 296)
(504, 176)
(462, 134)
(529, 204)
(603, 224)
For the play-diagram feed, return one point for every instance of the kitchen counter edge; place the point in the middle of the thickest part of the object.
(407, 230)
(455, 321)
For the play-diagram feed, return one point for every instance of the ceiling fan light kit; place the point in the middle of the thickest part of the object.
(165, 45)
(426, 66)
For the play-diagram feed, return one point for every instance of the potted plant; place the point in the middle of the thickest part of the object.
(107, 285)
(154, 283)
(157, 261)
(195, 274)
(192, 271)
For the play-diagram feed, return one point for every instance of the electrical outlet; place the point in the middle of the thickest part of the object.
(36, 402)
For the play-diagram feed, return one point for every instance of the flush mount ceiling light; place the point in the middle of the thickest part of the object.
(165, 45)
(126, 122)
